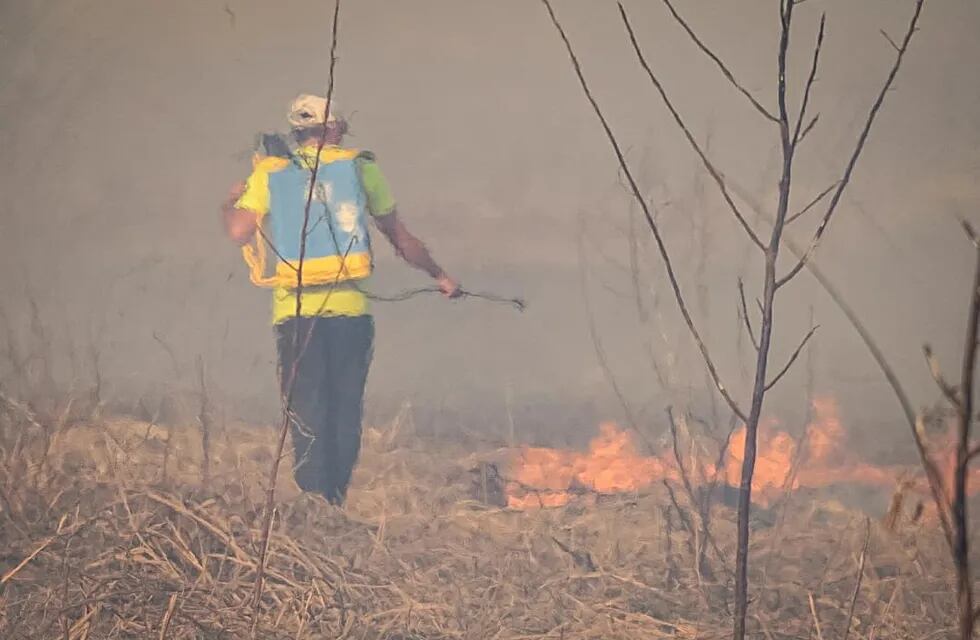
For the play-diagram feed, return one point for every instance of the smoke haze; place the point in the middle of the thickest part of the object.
(124, 123)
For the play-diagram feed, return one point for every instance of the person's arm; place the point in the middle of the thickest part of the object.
(381, 204)
(414, 252)
(240, 224)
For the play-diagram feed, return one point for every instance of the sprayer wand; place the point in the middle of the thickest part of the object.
(517, 303)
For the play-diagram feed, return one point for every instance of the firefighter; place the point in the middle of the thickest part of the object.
(321, 254)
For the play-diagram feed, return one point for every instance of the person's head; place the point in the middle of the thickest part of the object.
(306, 117)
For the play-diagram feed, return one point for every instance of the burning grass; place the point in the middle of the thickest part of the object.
(110, 533)
(542, 477)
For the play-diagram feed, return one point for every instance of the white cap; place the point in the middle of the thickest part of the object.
(307, 111)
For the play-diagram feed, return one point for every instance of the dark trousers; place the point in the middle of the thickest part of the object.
(326, 397)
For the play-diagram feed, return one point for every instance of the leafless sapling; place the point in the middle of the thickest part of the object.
(951, 502)
(792, 131)
(299, 341)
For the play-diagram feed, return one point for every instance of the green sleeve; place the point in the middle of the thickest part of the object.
(379, 199)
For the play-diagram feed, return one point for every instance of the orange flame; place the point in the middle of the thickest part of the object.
(551, 477)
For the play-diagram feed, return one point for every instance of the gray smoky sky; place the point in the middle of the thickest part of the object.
(123, 124)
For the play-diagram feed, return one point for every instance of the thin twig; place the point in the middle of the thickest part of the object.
(813, 612)
(715, 174)
(66, 570)
(859, 147)
(961, 542)
(797, 136)
(661, 246)
(973, 452)
(168, 616)
(934, 478)
(721, 65)
(860, 578)
(684, 516)
(813, 203)
(297, 355)
(809, 127)
(204, 417)
(8, 575)
(169, 350)
(745, 315)
(799, 457)
(792, 358)
(873, 632)
(678, 458)
(703, 505)
(950, 391)
(889, 39)
(970, 233)
(278, 254)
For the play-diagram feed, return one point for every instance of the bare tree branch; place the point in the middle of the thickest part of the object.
(961, 541)
(788, 149)
(953, 509)
(661, 246)
(790, 135)
(862, 139)
(796, 463)
(675, 443)
(792, 358)
(889, 39)
(809, 127)
(813, 203)
(970, 233)
(813, 606)
(860, 577)
(721, 65)
(933, 476)
(974, 452)
(950, 391)
(297, 350)
(272, 246)
(684, 516)
(745, 315)
(809, 82)
(749, 452)
(701, 540)
(687, 134)
(876, 353)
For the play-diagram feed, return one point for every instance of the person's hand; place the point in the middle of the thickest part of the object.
(235, 193)
(240, 225)
(449, 287)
